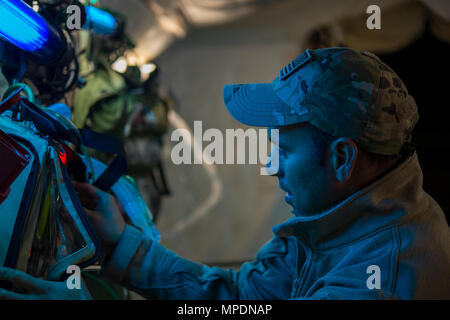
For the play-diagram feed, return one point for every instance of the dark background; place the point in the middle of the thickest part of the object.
(424, 68)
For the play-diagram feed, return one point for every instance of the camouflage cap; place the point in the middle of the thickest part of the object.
(343, 92)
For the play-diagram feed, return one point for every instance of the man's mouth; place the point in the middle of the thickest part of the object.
(288, 197)
(283, 187)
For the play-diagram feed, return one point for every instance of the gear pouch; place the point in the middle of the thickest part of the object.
(62, 233)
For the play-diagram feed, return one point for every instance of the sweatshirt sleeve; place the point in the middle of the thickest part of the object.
(155, 272)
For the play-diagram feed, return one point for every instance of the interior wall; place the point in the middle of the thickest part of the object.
(252, 49)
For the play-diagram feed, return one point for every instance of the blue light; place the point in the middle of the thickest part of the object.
(21, 26)
(100, 21)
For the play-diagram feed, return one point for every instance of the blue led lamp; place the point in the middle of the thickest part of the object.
(26, 29)
(100, 21)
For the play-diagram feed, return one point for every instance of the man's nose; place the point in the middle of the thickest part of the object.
(273, 167)
(273, 172)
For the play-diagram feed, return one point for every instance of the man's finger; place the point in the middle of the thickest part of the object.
(87, 194)
(9, 295)
(94, 217)
(85, 187)
(20, 279)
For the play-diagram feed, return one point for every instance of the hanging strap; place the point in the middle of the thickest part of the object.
(106, 143)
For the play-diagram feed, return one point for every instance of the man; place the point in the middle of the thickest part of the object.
(363, 226)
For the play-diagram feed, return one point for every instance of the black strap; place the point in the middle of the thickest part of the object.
(48, 125)
(106, 143)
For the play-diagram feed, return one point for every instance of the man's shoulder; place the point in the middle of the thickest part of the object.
(278, 247)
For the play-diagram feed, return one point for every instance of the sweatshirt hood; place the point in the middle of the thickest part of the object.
(377, 206)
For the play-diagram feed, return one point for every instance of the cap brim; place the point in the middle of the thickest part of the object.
(258, 105)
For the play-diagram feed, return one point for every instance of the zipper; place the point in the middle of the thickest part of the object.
(299, 282)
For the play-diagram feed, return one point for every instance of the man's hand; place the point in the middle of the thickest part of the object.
(26, 287)
(104, 213)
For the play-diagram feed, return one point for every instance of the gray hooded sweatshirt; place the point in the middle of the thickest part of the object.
(389, 240)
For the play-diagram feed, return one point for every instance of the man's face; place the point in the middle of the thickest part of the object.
(306, 182)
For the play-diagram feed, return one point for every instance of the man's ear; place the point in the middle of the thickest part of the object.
(343, 153)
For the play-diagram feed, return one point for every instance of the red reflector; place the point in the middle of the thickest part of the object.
(63, 157)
